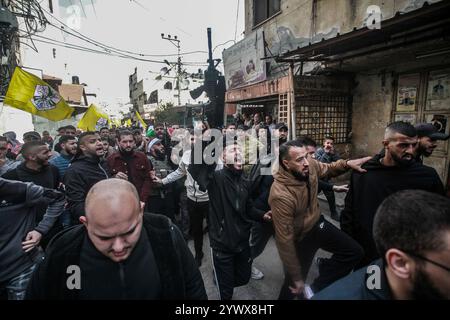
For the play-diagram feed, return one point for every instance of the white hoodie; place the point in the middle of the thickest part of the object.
(192, 187)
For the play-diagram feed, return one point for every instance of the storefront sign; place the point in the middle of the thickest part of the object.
(321, 84)
(405, 117)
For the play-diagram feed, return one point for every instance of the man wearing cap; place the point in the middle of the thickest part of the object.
(282, 130)
(386, 174)
(139, 140)
(428, 136)
(31, 136)
(162, 198)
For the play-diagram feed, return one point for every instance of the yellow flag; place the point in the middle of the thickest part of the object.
(116, 122)
(128, 123)
(31, 94)
(141, 121)
(93, 120)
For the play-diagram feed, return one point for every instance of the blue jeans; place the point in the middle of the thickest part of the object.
(17, 286)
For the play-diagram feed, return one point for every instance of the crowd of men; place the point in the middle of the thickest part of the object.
(120, 206)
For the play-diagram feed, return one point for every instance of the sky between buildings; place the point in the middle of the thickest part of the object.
(134, 25)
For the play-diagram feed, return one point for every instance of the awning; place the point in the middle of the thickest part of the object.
(397, 31)
(262, 92)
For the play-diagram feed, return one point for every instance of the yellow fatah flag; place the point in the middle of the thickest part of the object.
(141, 121)
(31, 94)
(93, 120)
(117, 122)
(128, 123)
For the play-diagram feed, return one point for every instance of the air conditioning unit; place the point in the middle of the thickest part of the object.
(7, 19)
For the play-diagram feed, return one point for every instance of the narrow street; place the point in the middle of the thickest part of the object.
(268, 262)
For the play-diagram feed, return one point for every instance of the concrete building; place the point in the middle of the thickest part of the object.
(345, 68)
(138, 97)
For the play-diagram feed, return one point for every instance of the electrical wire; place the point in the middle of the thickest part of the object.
(221, 44)
(111, 47)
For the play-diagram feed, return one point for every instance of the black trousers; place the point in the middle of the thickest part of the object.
(331, 200)
(197, 212)
(184, 214)
(260, 234)
(164, 206)
(231, 270)
(346, 253)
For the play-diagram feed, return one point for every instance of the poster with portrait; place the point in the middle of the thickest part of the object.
(243, 64)
(438, 94)
(407, 92)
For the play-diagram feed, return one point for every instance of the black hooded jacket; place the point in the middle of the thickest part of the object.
(230, 213)
(81, 175)
(367, 191)
(179, 276)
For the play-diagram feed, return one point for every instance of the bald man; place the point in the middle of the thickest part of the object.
(386, 174)
(119, 252)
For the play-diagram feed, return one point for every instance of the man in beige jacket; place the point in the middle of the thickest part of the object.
(300, 229)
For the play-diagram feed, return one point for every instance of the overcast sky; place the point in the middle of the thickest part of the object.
(135, 26)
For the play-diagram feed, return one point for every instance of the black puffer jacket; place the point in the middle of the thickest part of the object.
(81, 175)
(368, 190)
(178, 271)
(230, 213)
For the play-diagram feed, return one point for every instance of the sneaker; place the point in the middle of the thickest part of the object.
(256, 274)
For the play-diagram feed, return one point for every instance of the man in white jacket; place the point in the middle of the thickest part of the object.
(198, 202)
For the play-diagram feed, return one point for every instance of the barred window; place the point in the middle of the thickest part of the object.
(320, 116)
(283, 108)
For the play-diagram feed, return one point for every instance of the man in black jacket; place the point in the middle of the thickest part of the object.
(36, 168)
(393, 172)
(86, 169)
(412, 233)
(428, 137)
(20, 236)
(118, 253)
(229, 219)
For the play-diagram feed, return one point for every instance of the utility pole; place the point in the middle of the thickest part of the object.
(176, 42)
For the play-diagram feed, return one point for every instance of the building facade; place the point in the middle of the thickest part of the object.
(348, 68)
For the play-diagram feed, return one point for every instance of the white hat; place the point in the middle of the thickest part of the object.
(152, 143)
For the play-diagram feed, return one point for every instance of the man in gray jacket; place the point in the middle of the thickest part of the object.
(19, 234)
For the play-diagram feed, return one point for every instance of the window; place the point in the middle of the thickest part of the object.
(320, 116)
(264, 9)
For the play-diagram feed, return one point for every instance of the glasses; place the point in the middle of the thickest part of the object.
(428, 260)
